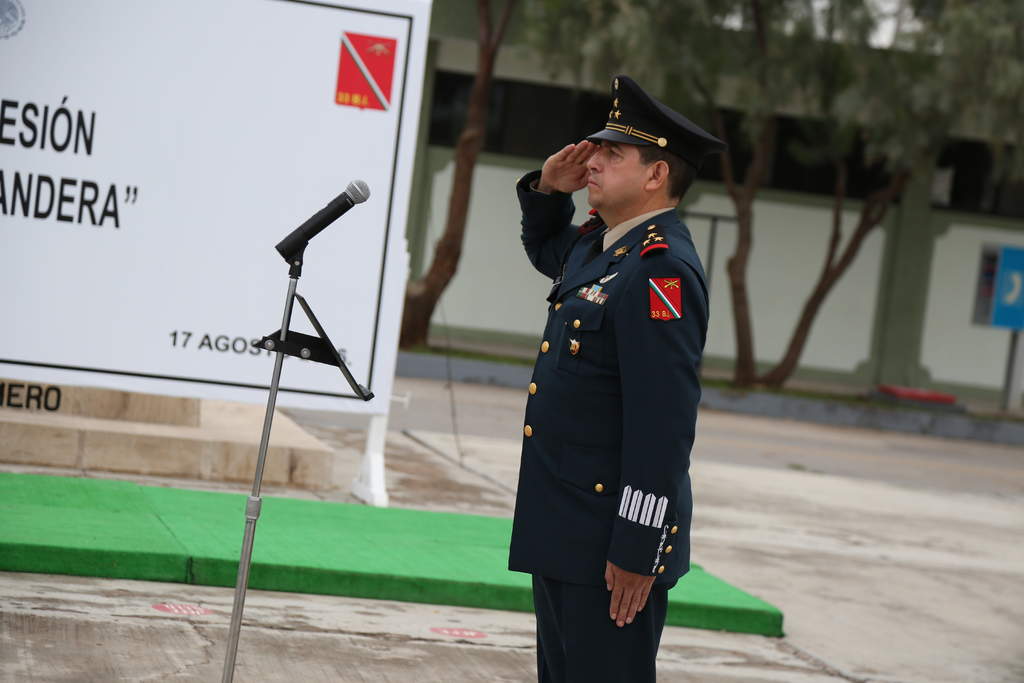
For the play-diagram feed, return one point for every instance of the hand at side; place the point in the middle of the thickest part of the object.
(629, 593)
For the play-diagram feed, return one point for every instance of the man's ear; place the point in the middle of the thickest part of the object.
(657, 176)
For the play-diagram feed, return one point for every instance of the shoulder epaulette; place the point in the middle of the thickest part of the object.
(654, 241)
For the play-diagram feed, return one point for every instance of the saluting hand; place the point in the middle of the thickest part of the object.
(629, 593)
(566, 169)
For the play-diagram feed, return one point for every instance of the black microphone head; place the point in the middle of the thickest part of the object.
(358, 191)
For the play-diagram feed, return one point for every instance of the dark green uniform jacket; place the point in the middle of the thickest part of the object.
(613, 403)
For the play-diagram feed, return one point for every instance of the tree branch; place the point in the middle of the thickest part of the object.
(728, 172)
(872, 213)
(837, 214)
(483, 17)
(876, 206)
(759, 163)
(502, 24)
(759, 27)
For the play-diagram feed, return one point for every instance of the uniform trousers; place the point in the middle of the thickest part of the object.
(577, 642)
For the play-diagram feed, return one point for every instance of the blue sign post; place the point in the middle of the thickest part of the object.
(1008, 297)
(999, 302)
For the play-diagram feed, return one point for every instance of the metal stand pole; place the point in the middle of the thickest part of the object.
(253, 504)
(1014, 373)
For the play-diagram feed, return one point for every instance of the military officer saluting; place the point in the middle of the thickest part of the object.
(603, 510)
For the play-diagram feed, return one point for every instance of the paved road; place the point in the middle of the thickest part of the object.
(896, 559)
(908, 460)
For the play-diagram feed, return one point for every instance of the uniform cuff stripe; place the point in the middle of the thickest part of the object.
(645, 509)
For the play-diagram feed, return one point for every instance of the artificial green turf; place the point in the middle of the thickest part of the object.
(116, 529)
(88, 527)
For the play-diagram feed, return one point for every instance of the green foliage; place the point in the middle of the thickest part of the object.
(944, 66)
(956, 67)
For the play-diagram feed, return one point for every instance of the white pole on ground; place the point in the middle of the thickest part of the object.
(370, 486)
(1014, 373)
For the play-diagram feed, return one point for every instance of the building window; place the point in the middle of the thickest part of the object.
(969, 181)
(534, 121)
(524, 119)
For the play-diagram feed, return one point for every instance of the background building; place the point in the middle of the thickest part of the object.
(901, 314)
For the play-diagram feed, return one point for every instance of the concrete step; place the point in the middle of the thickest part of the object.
(222, 446)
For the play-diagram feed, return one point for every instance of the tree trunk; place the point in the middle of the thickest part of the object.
(744, 372)
(421, 296)
(872, 213)
(745, 369)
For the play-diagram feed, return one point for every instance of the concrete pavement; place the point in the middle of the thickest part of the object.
(85, 630)
(895, 558)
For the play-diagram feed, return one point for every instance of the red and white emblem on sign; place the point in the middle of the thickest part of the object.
(666, 298)
(366, 68)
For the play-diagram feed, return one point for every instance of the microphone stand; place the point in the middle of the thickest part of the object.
(284, 343)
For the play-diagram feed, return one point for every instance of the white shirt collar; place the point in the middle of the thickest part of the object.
(613, 235)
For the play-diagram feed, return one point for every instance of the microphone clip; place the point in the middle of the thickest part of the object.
(295, 261)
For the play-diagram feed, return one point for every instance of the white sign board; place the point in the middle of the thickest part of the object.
(153, 153)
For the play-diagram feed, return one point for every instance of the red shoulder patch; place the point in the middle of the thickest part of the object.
(666, 297)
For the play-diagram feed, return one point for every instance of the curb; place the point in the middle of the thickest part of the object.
(938, 423)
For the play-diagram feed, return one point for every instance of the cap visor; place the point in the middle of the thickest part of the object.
(615, 136)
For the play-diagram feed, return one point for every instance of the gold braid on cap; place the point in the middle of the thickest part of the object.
(630, 130)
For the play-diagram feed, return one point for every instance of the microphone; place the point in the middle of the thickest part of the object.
(291, 246)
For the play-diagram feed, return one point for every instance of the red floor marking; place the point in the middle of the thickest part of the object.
(184, 610)
(458, 632)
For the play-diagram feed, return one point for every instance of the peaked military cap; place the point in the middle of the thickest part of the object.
(636, 118)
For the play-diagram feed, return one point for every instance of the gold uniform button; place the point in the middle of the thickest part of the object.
(544, 347)
(576, 323)
(675, 529)
(558, 305)
(662, 142)
(533, 388)
(668, 550)
(661, 569)
(528, 430)
(599, 487)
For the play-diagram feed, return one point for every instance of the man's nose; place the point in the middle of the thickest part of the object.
(592, 162)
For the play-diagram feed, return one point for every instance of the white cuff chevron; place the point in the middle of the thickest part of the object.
(642, 509)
